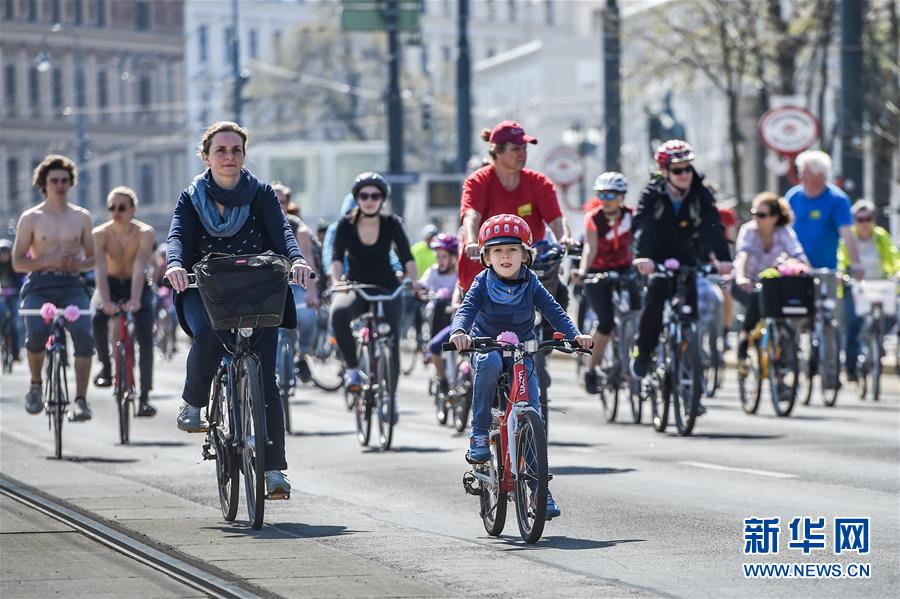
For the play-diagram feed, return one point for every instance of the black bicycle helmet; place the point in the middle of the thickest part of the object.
(371, 178)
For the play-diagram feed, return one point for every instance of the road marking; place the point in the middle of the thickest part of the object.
(744, 470)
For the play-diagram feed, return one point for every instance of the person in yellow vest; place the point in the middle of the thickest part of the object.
(421, 250)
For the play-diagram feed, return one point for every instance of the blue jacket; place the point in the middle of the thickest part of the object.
(482, 317)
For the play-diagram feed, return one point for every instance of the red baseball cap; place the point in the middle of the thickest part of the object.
(511, 132)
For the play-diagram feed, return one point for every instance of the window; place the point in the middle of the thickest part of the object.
(491, 10)
(105, 179)
(144, 92)
(77, 9)
(9, 85)
(34, 91)
(57, 91)
(32, 10)
(277, 45)
(142, 15)
(254, 44)
(55, 11)
(102, 92)
(202, 40)
(549, 17)
(9, 9)
(12, 181)
(100, 9)
(512, 11)
(146, 184)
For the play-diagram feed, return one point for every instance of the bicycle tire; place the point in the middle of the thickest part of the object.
(462, 405)
(608, 394)
(624, 341)
(875, 351)
(56, 401)
(285, 376)
(220, 434)
(750, 383)
(808, 358)
(410, 359)
(493, 501)
(440, 402)
(121, 393)
(385, 404)
(362, 401)
(322, 361)
(784, 369)
(688, 385)
(253, 421)
(830, 372)
(656, 387)
(531, 477)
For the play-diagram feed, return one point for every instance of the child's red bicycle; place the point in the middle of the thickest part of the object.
(516, 438)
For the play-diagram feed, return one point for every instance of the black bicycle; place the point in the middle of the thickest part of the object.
(123, 379)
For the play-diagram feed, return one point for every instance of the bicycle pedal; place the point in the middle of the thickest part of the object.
(278, 496)
(473, 462)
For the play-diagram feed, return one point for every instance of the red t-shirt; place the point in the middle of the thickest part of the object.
(613, 243)
(534, 200)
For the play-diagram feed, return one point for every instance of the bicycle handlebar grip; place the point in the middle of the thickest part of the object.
(447, 346)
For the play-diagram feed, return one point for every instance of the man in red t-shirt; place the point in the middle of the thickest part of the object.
(506, 187)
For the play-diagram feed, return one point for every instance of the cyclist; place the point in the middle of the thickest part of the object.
(762, 243)
(676, 218)
(365, 237)
(9, 302)
(822, 213)
(123, 248)
(422, 251)
(607, 247)
(306, 301)
(54, 245)
(440, 279)
(226, 209)
(879, 258)
(504, 298)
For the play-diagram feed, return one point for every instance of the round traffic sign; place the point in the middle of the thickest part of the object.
(789, 129)
(564, 166)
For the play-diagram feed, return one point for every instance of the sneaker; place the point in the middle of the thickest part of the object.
(103, 378)
(145, 410)
(479, 449)
(553, 510)
(701, 409)
(34, 400)
(80, 411)
(189, 419)
(277, 484)
(353, 380)
(303, 370)
(640, 365)
(590, 381)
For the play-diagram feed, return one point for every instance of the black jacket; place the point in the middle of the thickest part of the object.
(689, 237)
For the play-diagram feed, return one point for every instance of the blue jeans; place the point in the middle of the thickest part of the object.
(854, 324)
(203, 361)
(306, 320)
(488, 368)
(60, 290)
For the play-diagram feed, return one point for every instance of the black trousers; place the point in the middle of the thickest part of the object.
(120, 290)
(600, 295)
(658, 291)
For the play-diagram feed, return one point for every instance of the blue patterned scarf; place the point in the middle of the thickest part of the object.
(506, 292)
(205, 193)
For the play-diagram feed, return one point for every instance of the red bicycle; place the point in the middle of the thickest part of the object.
(518, 463)
(123, 381)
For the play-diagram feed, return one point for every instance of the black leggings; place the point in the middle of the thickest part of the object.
(347, 306)
(658, 291)
(600, 295)
(120, 290)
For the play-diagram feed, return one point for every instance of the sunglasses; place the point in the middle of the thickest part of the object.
(117, 207)
(679, 170)
(607, 195)
(759, 214)
(369, 196)
(864, 219)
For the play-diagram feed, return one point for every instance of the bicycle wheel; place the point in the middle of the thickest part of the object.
(253, 429)
(784, 369)
(220, 435)
(688, 384)
(608, 392)
(624, 341)
(384, 402)
(325, 365)
(285, 381)
(462, 403)
(830, 364)
(531, 477)
(493, 500)
(362, 401)
(875, 352)
(55, 398)
(656, 388)
(808, 360)
(750, 382)
(121, 394)
(710, 356)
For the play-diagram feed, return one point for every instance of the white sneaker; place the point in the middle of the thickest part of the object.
(189, 419)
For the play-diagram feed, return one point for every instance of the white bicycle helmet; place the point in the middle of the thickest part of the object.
(611, 181)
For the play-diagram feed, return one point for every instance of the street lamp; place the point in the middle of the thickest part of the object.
(42, 64)
(585, 143)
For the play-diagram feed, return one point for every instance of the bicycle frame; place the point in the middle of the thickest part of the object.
(124, 336)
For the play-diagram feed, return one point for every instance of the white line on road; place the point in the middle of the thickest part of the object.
(744, 470)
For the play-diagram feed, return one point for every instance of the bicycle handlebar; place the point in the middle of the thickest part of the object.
(486, 345)
(358, 288)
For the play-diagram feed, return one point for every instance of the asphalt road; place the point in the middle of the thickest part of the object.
(643, 513)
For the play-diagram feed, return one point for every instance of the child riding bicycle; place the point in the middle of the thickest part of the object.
(504, 298)
(439, 280)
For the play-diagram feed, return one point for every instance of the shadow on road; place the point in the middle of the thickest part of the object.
(410, 450)
(157, 444)
(718, 436)
(79, 459)
(321, 433)
(573, 444)
(566, 543)
(282, 530)
(576, 470)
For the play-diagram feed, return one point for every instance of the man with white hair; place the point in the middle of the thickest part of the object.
(822, 213)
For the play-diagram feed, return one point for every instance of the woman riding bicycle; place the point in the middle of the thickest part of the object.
(761, 244)
(607, 247)
(227, 210)
(366, 236)
(503, 298)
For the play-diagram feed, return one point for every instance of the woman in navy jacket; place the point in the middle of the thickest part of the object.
(226, 209)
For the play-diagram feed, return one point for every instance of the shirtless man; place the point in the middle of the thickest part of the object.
(123, 247)
(54, 244)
